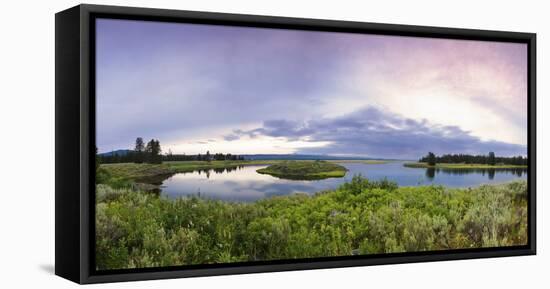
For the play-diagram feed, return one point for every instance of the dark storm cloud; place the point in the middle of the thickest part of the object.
(377, 133)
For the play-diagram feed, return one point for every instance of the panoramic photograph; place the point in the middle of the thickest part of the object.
(224, 144)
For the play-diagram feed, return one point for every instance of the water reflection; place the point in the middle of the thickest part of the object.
(431, 172)
(208, 172)
(244, 184)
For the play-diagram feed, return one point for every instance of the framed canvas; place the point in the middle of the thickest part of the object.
(195, 144)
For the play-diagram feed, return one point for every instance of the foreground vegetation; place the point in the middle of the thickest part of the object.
(463, 166)
(304, 170)
(136, 229)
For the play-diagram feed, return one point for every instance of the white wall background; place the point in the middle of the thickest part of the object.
(27, 126)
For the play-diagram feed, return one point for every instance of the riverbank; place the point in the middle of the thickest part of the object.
(462, 166)
(137, 230)
(147, 173)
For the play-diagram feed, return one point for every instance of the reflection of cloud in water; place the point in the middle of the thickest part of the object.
(244, 184)
(244, 173)
(278, 189)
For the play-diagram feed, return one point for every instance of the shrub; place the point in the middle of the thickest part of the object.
(138, 229)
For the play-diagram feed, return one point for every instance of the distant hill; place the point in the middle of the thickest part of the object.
(123, 152)
(117, 152)
(301, 157)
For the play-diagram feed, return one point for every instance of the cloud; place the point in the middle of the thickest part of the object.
(167, 81)
(183, 83)
(481, 86)
(231, 137)
(375, 132)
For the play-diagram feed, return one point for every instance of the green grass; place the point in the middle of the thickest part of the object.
(137, 230)
(304, 170)
(122, 174)
(462, 166)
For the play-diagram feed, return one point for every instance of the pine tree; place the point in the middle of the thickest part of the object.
(431, 159)
(153, 149)
(491, 160)
(138, 150)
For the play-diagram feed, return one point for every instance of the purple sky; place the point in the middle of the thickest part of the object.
(251, 90)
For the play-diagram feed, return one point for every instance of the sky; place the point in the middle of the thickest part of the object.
(245, 90)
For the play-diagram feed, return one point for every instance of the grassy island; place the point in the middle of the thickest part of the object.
(304, 170)
(459, 166)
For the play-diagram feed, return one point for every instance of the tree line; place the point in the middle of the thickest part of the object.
(152, 153)
(202, 157)
(489, 159)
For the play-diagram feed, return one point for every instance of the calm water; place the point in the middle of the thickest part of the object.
(244, 184)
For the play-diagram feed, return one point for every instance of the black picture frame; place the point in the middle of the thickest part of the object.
(75, 140)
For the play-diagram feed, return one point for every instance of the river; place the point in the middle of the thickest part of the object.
(243, 184)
